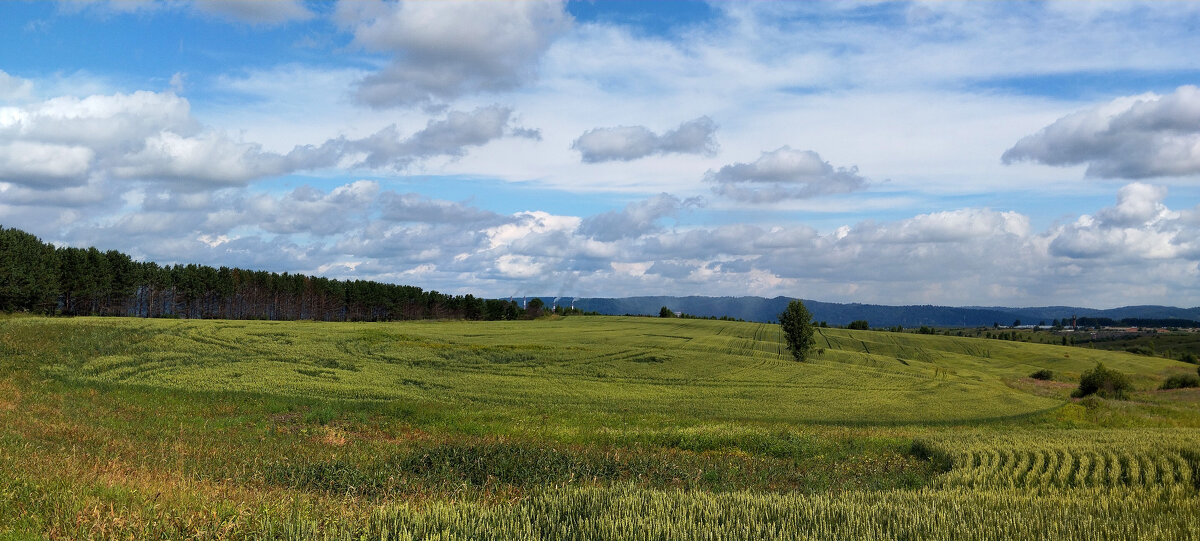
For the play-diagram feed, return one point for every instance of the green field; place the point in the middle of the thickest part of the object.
(576, 428)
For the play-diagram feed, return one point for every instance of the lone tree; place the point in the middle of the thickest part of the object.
(666, 312)
(534, 308)
(798, 329)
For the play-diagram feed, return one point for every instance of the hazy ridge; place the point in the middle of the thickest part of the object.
(766, 309)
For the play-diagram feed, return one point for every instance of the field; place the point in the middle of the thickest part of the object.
(576, 428)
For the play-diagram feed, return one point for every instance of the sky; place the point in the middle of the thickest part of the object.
(969, 154)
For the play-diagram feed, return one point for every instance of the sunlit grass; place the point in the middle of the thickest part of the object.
(623, 428)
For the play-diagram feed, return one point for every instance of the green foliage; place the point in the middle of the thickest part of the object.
(1189, 357)
(666, 312)
(1181, 381)
(534, 308)
(1044, 374)
(29, 273)
(38, 277)
(1105, 382)
(796, 322)
(859, 325)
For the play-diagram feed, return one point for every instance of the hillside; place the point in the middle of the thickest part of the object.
(572, 428)
(766, 310)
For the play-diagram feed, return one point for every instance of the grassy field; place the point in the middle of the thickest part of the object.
(576, 428)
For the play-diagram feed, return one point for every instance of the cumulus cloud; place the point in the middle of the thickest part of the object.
(1139, 226)
(149, 136)
(784, 174)
(37, 164)
(1138, 249)
(450, 136)
(962, 225)
(626, 143)
(412, 207)
(636, 219)
(91, 195)
(442, 50)
(1133, 137)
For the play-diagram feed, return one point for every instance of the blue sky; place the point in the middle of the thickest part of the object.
(981, 153)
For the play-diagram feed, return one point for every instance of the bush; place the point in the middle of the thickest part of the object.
(859, 325)
(1181, 381)
(1104, 382)
(1189, 357)
(1043, 374)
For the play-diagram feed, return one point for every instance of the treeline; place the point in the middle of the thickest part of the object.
(41, 278)
(1136, 322)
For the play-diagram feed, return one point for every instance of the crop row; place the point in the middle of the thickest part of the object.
(1143, 458)
(634, 514)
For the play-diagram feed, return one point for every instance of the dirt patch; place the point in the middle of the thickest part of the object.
(10, 397)
(287, 418)
(1046, 388)
(332, 436)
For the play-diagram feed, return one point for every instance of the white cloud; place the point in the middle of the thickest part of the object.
(784, 174)
(1138, 204)
(150, 136)
(1133, 137)
(635, 219)
(411, 207)
(442, 50)
(962, 256)
(627, 143)
(1140, 227)
(14, 88)
(450, 136)
(530, 224)
(41, 164)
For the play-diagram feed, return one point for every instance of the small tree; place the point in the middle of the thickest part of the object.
(533, 309)
(859, 325)
(797, 325)
(666, 312)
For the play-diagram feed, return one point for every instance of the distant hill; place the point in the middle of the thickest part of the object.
(766, 310)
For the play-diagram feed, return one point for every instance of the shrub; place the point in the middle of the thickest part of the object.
(1181, 381)
(1104, 382)
(1043, 374)
(1189, 357)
